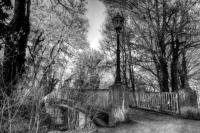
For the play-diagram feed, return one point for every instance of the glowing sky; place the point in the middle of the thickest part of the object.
(96, 16)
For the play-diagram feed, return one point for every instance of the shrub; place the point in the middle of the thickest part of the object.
(191, 113)
(120, 114)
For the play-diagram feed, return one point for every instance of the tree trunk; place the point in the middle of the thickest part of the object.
(130, 67)
(184, 73)
(174, 65)
(188, 97)
(164, 87)
(124, 56)
(14, 52)
(124, 65)
(163, 74)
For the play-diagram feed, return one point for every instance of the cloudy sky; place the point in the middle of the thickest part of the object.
(96, 16)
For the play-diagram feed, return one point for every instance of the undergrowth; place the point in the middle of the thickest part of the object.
(191, 113)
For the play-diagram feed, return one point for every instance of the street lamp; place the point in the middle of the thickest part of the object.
(118, 93)
(118, 21)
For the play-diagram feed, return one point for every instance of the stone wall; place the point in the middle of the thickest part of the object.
(94, 97)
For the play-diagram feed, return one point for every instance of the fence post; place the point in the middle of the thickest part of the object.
(178, 105)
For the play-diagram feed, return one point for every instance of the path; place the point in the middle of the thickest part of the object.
(150, 122)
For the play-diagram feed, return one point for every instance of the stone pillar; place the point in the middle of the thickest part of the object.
(119, 103)
(187, 98)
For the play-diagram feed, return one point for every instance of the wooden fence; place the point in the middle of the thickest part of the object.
(162, 102)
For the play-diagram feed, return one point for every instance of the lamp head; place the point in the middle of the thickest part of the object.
(118, 22)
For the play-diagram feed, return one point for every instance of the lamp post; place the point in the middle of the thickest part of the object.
(118, 94)
(118, 23)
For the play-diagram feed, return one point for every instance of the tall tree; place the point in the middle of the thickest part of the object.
(88, 69)
(4, 5)
(57, 34)
(15, 44)
(159, 27)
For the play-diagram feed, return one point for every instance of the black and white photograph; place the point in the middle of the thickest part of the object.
(99, 66)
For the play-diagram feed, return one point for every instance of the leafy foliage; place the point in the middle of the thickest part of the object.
(4, 5)
(160, 34)
(87, 69)
(56, 34)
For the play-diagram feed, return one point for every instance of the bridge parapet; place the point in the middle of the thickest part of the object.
(104, 102)
(92, 97)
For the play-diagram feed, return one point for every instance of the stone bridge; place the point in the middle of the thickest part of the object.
(82, 107)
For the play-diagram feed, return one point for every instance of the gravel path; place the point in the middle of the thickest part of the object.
(150, 122)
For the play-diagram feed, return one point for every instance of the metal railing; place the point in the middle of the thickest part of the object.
(158, 101)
